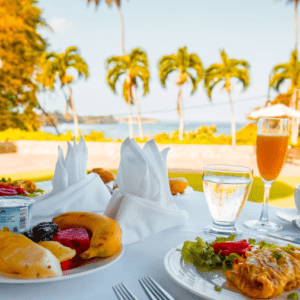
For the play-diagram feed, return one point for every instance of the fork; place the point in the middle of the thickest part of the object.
(154, 290)
(123, 293)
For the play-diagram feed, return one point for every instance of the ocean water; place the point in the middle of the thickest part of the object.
(121, 130)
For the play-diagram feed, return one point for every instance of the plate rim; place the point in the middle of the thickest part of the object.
(278, 214)
(193, 291)
(114, 258)
(184, 194)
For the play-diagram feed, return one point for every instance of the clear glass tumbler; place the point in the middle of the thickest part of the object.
(226, 190)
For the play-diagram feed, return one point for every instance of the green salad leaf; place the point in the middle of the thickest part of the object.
(218, 288)
(202, 255)
(293, 296)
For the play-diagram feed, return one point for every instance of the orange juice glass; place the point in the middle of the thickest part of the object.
(271, 149)
(270, 154)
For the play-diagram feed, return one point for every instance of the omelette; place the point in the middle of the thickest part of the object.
(266, 273)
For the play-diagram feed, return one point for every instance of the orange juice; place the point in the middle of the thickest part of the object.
(270, 154)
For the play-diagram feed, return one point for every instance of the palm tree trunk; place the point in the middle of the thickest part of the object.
(74, 113)
(139, 112)
(296, 24)
(233, 130)
(49, 118)
(122, 30)
(180, 112)
(130, 121)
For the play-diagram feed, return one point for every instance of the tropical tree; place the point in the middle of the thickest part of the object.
(132, 66)
(55, 67)
(289, 72)
(296, 2)
(118, 4)
(185, 65)
(224, 71)
(21, 49)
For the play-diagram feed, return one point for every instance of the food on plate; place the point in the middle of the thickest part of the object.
(258, 270)
(19, 256)
(105, 175)
(61, 252)
(44, 231)
(178, 185)
(27, 185)
(74, 238)
(266, 274)
(106, 234)
(7, 190)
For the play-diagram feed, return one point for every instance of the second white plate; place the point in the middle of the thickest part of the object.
(288, 214)
(203, 283)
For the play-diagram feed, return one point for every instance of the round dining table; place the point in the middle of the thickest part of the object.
(140, 259)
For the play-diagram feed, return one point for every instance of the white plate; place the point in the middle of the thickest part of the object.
(188, 190)
(288, 214)
(203, 283)
(90, 266)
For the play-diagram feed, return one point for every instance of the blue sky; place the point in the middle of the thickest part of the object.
(259, 31)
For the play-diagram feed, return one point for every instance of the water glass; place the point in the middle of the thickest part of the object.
(226, 190)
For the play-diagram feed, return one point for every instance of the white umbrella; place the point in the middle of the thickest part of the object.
(277, 110)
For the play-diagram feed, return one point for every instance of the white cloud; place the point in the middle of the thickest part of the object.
(61, 25)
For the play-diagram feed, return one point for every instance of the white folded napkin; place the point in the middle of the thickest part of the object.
(143, 204)
(73, 189)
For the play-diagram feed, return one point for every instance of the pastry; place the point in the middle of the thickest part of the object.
(178, 185)
(105, 175)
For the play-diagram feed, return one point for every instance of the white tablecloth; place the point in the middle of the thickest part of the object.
(141, 259)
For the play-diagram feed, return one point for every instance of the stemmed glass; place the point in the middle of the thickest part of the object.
(271, 148)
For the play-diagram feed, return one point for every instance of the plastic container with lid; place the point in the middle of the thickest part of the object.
(15, 213)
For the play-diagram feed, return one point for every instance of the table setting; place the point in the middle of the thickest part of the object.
(155, 226)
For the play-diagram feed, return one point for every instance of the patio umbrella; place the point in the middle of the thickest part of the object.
(277, 110)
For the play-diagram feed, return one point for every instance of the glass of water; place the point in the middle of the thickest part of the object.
(226, 190)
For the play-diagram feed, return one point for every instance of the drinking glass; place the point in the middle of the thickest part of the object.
(271, 148)
(226, 189)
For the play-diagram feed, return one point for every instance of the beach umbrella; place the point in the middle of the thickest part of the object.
(277, 110)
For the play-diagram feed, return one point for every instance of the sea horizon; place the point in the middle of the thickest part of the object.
(121, 130)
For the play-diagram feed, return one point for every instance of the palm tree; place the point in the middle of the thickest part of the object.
(185, 64)
(133, 66)
(55, 67)
(296, 2)
(229, 68)
(289, 71)
(118, 3)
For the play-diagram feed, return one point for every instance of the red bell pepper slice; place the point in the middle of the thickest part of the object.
(227, 248)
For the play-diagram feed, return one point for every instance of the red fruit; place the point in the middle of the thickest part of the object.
(66, 265)
(75, 238)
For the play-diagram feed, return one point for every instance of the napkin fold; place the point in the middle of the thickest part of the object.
(143, 204)
(73, 189)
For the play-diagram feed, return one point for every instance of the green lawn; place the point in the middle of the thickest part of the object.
(282, 192)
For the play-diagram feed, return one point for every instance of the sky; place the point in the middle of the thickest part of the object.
(258, 31)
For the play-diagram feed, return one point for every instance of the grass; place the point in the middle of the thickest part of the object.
(282, 192)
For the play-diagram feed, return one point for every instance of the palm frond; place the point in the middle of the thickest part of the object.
(210, 87)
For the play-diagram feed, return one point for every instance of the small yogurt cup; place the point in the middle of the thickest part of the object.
(15, 213)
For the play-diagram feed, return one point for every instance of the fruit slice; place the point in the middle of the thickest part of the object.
(75, 238)
(106, 232)
(61, 252)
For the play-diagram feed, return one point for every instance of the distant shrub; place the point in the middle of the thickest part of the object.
(204, 135)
